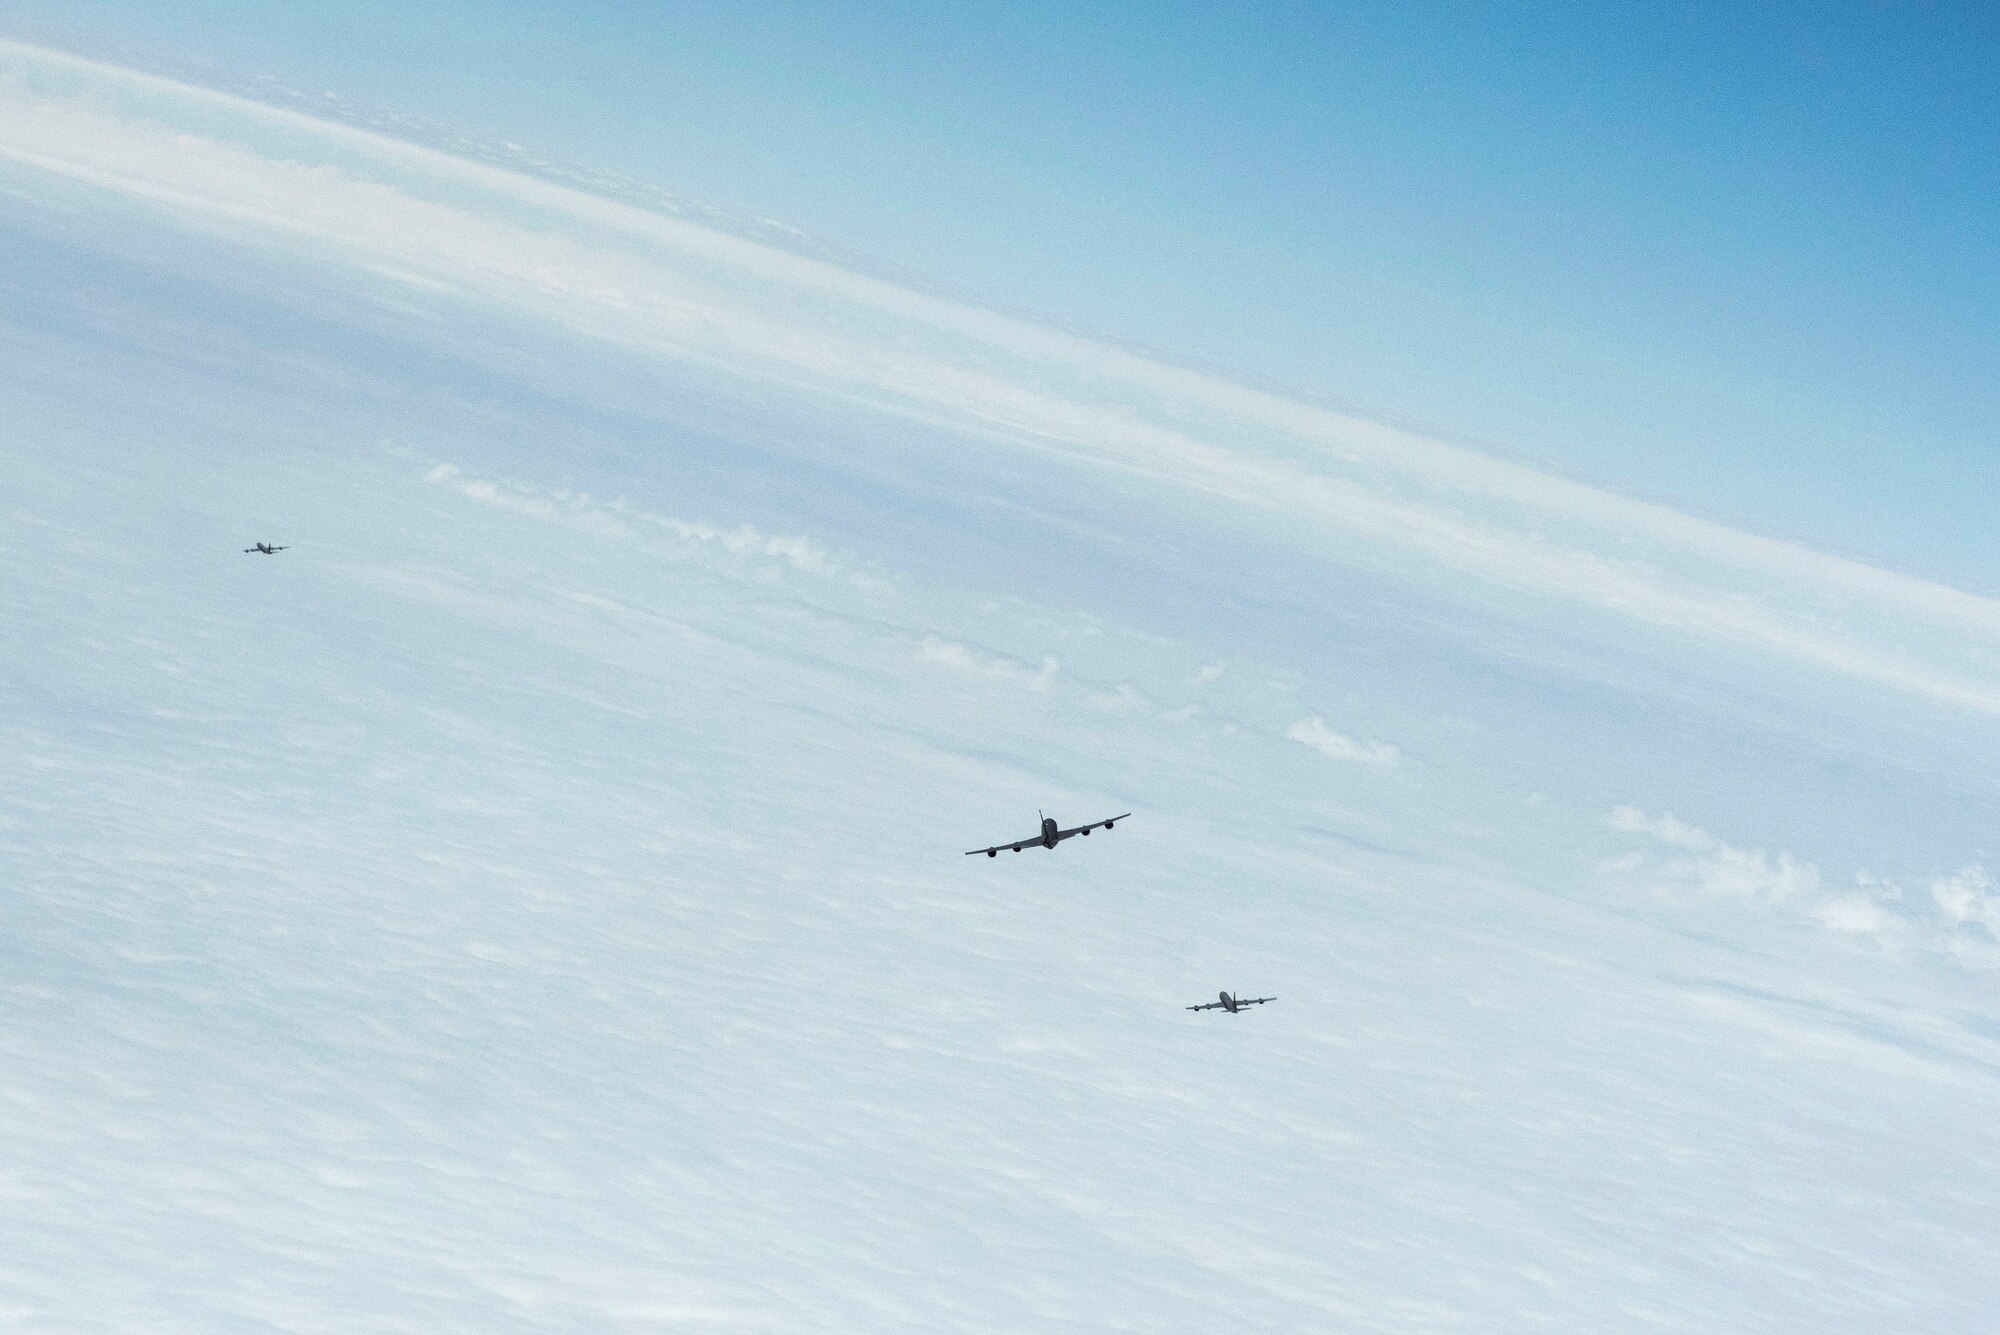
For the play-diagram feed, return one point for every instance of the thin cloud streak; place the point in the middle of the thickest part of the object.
(620, 520)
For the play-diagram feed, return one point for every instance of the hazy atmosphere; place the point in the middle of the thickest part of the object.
(1522, 565)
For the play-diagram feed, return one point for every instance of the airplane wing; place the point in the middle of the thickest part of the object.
(1086, 829)
(1211, 1006)
(997, 847)
(1253, 1001)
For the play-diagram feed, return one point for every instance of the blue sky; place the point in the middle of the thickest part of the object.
(1742, 261)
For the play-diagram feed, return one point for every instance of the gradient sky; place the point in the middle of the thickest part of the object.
(1739, 259)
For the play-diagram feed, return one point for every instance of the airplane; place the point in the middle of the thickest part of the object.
(1049, 837)
(1231, 1004)
(265, 548)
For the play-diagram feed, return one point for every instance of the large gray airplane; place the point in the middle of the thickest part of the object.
(1049, 837)
(263, 547)
(1231, 1004)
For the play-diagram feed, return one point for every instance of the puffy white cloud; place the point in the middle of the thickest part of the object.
(1313, 732)
(1705, 867)
(1969, 899)
(1966, 920)
(1663, 828)
(1969, 896)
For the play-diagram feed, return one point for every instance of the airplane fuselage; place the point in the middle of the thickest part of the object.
(1233, 1005)
(1050, 835)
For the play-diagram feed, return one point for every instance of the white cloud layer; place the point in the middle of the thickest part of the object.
(670, 287)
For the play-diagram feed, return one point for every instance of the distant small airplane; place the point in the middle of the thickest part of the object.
(1049, 837)
(1231, 1004)
(264, 547)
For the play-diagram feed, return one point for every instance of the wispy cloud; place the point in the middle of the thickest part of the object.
(1313, 732)
(985, 663)
(618, 519)
(672, 287)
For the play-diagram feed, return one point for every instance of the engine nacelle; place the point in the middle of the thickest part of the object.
(992, 852)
